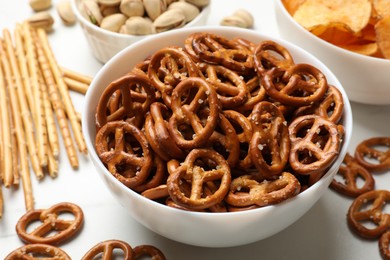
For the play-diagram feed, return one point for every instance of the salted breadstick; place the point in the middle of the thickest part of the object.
(70, 111)
(22, 60)
(57, 105)
(76, 85)
(76, 76)
(40, 123)
(6, 133)
(1, 203)
(24, 108)
(52, 165)
(52, 135)
(20, 136)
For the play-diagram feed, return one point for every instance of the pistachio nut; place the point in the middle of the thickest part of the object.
(91, 11)
(109, 2)
(198, 3)
(234, 21)
(65, 12)
(108, 10)
(137, 25)
(190, 11)
(132, 8)
(170, 2)
(246, 16)
(113, 22)
(40, 5)
(155, 8)
(168, 20)
(41, 20)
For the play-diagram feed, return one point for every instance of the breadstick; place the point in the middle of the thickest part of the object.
(1, 203)
(52, 135)
(76, 76)
(52, 165)
(20, 50)
(15, 153)
(70, 111)
(20, 137)
(57, 105)
(76, 85)
(6, 133)
(24, 109)
(40, 123)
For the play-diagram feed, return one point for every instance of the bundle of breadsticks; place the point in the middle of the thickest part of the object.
(36, 110)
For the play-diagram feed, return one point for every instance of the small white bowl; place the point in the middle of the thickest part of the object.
(105, 44)
(202, 228)
(365, 79)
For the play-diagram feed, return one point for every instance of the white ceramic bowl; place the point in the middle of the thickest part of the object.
(365, 79)
(105, 44)
(199, 228)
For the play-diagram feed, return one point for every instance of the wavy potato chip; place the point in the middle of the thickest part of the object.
(354, 14)
(382, 29)
(361, 26)
(292, 5)
(381, 8)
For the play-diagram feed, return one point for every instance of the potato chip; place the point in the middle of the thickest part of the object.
(382, 29)
(335, 33)
(368, 49)
(355, 14)
(292, 5)
(381, 7)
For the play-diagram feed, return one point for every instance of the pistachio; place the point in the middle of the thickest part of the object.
(109, 2)
(132, 8)
(40, 5)
(198, 3)
(190, 11)
(137, 25)
(113, 22)
(91, 11)
(233, 20)
(64, 10)
(246, 16)
(41, 20)
(109, 10)
(155, 8)
(168, 20)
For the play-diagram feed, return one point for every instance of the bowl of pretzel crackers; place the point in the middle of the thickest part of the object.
(216, 136)
(350, 37)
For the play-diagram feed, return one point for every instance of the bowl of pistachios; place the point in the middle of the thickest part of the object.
(111, 25)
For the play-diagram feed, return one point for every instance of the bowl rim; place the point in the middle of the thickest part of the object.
(280, 5)
(205, 10)
(347, 117)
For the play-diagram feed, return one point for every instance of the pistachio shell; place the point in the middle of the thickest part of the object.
(41, 20)
(137, 25)
(40, 5)
(113, 22)
(246, 16)
(233, 20)
(109, 2)
(91, 11)
(132, 8)
(170, 19)
(198, 3)
(109, 10)
(155, 8)
(65, 11)
(190, 11)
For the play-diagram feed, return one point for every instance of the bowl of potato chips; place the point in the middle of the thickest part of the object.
(352, 37)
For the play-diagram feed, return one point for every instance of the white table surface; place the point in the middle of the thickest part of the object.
(322, 233)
